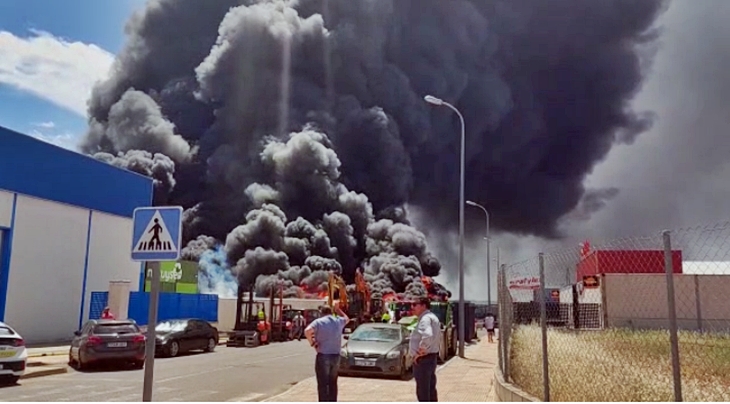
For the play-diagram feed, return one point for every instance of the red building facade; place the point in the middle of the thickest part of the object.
(598, 262)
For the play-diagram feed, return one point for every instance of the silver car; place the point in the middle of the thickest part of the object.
(376, 349)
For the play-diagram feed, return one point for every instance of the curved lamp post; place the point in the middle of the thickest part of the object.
(439, 102)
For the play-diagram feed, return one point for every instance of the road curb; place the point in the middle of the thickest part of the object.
(65, 352)
(55, 370)
(42, 355)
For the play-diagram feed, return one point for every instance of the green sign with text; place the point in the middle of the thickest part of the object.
(175, 277)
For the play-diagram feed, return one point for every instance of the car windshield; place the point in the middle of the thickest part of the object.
(115, 329)
(381, 334)
(171, 326)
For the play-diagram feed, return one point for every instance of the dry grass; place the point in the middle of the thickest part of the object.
(621, 365)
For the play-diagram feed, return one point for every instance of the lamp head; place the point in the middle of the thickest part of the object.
(470, 203)
(433, 100)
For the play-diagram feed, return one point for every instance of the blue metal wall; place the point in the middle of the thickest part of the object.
(36, 168)
(172, 306)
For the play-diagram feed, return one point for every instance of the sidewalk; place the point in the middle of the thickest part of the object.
(459, 380)
(39, 366)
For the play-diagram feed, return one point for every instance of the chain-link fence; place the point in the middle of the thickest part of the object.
(636, 319)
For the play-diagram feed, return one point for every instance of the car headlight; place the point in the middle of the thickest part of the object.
(343, 353)
(393, 354)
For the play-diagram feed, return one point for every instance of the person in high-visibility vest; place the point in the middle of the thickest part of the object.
(262, 315)
(263, 328)
(386, 317)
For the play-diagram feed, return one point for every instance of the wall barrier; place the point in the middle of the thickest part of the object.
(171, 306)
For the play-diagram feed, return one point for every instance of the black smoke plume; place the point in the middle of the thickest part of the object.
(310, 114)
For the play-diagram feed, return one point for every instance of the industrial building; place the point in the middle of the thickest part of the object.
(65, 230)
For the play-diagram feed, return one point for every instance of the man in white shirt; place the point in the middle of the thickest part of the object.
(489, 325)
(424, 349)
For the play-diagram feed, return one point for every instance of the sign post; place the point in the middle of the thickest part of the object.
(156, 237)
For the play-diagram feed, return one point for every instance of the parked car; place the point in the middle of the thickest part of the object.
(114, 341)
(376, 348)
(13, 355)
(177, 336)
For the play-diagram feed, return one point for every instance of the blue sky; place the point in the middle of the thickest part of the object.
(51, 52)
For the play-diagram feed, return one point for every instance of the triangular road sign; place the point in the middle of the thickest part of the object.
(156, 237)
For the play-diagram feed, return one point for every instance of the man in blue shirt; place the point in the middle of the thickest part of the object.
(325, 336)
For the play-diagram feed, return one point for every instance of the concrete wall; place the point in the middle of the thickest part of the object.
(640, 300)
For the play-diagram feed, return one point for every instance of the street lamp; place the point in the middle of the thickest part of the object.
(462, 316)
(489, 272)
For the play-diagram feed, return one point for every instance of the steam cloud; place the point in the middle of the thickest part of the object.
(297, 129)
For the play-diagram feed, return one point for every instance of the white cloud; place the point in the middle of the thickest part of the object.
(53, 68)
(65, 140)
(45, 125)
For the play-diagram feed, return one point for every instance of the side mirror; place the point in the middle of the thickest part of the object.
(77, 333)
(346, 336)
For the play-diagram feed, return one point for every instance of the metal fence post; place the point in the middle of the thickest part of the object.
(543, 325)
(505, 324)
(673, 338)
(500, 317)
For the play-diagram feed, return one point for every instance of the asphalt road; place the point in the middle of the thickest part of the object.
(228, 374)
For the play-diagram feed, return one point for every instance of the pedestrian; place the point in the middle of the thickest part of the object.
(424, 349)
(325, 336)
(106, 314)
(489, 325)
(299, 324)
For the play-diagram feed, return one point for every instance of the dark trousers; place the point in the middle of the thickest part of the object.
(326, 367)
(424, 371)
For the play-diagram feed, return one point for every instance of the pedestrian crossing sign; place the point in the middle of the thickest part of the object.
(157, 233)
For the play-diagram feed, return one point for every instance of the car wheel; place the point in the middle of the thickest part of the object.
(71, 361)
(11, 380)
(80, 363)
(173, 349)
(211, 345)
(138, 365)
(403, 371)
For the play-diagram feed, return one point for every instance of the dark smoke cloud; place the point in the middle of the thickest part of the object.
(136, 122)
(316, 108)
(195, 248)
(676, 174)
(157, 166)
(257, 262)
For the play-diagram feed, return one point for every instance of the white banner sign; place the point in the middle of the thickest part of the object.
(530, 283)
